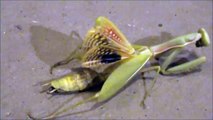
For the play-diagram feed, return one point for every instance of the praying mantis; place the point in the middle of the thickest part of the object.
(105, 44)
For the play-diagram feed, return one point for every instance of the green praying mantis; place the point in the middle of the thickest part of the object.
(106, 45)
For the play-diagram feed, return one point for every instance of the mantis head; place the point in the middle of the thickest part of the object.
(204, 39)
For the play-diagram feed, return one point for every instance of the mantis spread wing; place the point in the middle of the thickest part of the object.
(103, 55)
(105, 44)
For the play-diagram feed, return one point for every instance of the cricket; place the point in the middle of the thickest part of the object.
(105, 44)
(79, 80)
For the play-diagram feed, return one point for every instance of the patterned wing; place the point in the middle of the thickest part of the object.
(110, 30)
(107, 34)
(102, 55)
(94, 38)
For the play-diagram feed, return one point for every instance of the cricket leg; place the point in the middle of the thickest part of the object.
(76, 54)
(76, 34)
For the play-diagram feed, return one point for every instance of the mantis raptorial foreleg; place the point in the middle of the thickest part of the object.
(62, 105)
(182, 68)
(76, 54)
(202, 40)
(185, 67)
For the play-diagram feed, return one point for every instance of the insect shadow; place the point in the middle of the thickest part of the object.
(52, 46)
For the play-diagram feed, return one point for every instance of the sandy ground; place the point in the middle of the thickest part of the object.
(34, 35)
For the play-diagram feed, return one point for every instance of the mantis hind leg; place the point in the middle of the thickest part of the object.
(60, 110)
(76, 54)
(55, 111)
(182, 68)
(147, 91)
